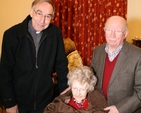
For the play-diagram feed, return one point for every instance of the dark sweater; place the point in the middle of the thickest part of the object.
(109, 66)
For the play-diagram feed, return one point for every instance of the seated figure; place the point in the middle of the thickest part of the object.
(82, 97)
(74, 61)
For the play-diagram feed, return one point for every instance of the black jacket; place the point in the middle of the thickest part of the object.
(26, 80)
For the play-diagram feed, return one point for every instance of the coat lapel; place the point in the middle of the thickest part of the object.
(101, 70)
(120, 62)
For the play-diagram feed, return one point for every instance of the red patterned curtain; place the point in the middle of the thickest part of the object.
(83, 21)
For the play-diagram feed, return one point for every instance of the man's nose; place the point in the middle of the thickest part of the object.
(43, 19)
(113, 33)
(78, 93)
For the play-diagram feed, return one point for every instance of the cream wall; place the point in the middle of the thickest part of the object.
(14, 11)
(11, 13)
(134, 19)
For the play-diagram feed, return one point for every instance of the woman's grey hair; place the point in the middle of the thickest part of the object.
(82, 74)
(39, 1)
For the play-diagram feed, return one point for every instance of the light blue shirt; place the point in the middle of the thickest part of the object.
(112, 55)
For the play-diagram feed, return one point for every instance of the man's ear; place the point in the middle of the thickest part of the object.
(126, 33)
(31, 12)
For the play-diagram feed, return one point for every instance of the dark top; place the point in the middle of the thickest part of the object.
(25, 79)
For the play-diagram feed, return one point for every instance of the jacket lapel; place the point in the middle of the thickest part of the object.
(120, 62)
(102, 64)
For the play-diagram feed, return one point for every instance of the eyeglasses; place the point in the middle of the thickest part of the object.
(116, 32)
(39, 14)
(80, 90)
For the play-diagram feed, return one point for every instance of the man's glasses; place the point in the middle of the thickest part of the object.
(116, 32)
(39, 14)
(80, 90)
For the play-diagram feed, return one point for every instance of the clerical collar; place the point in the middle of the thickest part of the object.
(38, 32)
(32, 29)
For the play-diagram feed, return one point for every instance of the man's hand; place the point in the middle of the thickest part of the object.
(65, 91)
(13, 109)
(111, 109)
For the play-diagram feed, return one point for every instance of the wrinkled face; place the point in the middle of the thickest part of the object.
(115, 32)
(79, 91)
(41, 14)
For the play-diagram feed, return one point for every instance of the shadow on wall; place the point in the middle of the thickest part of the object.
(134, 26)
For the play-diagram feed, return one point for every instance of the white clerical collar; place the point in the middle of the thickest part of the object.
(38, 32)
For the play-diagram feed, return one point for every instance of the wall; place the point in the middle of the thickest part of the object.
(14, 11)
(134, 19)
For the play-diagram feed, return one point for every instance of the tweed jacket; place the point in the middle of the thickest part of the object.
(96, 104)
(124, 90)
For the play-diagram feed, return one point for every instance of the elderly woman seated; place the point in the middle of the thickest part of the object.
(82, 97)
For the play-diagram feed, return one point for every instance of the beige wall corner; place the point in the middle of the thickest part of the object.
(11, 13)
(134, 19)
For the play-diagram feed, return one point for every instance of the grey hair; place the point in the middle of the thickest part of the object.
(40, 1)
(82, 74)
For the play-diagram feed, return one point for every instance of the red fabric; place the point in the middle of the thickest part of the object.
(109, 66)
(83, 21)
(78, 106)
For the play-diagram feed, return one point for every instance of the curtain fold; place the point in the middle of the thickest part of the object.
(83, 21)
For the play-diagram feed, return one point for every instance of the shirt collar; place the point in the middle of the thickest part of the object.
(112, 55)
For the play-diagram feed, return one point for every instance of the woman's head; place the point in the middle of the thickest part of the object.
(81, 80)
